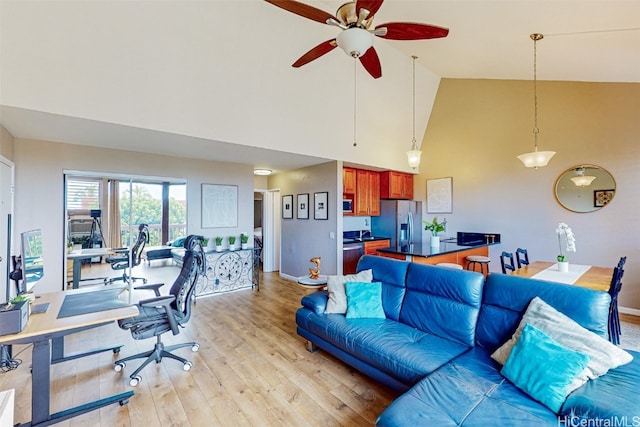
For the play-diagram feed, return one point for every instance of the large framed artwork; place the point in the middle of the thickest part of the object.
(321, 205)
(302, 206)
(219, 206)
(440, 195)
(287, 206)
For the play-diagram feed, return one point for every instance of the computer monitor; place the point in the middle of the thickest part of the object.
(31, 257)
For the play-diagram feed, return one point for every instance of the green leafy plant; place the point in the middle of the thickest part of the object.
(19, 298)
(218, 241)
(205, 241)
(435, 227)
(244, 238)
(232, 240)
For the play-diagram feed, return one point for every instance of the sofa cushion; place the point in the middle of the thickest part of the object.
(337, 302)
(506, 298)
(468, 391)
(392, 347)
(437, 295)
(364, 300)
(567, 333)
(529, 369)
(391, 273)
(609, 397)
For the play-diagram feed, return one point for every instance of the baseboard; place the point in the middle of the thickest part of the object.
(288, 277)
(631, 311)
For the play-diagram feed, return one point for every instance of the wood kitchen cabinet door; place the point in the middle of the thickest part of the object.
(349, 180)
(396, 185)
(371, 248)
(367, 193)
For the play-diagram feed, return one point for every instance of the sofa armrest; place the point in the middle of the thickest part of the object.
(316, 302)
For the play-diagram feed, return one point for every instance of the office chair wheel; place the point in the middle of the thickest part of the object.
(187, 366)
(144, 280)
(119, 366)
(123, 402)
(195, 347)
(135, 381)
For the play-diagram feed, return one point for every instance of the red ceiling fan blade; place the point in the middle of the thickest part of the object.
(411, 31)
(371, 5)
(302, 9)
(316, 52)
(371, 63)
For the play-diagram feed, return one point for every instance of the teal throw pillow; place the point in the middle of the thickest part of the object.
(542, 368)
(364, 300)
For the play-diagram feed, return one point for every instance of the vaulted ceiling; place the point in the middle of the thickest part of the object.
(595, 41)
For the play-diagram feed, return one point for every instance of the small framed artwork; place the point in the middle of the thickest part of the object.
(321, 205)
(302, 204)
(440, 195)
(287, 206)
(602, 197)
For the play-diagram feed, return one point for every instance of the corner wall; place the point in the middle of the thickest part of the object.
(478, 127)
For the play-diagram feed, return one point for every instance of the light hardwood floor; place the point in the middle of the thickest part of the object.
(252, 369)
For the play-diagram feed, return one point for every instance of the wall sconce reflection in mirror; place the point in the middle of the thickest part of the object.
(585, 188)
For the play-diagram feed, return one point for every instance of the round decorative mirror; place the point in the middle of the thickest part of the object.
(585, 188)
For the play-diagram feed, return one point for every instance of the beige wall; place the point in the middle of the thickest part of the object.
(39, 191)
(477, 129)
(6, 143)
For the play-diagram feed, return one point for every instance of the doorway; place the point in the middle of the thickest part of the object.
(268, 204)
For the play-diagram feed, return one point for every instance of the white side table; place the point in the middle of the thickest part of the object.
(318, 284)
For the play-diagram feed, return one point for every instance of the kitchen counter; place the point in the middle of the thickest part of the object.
(363, 240)
(448, 251)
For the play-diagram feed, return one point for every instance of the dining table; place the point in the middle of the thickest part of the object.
(586, 276)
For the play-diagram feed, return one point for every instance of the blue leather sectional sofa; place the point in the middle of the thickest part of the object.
(435, 344)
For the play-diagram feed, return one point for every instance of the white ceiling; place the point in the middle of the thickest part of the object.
(596, 41)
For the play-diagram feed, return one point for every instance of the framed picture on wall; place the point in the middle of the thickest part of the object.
(287, 206)
(440, 195)
(321, 205)
(219, 206)
(302, 205)
(602, 197)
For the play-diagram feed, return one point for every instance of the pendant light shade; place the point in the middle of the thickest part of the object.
(535, 159)
(355, 41)
(413, 155)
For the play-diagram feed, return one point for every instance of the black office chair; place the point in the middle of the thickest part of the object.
(621, 263)
(507, 256)
(522, 257)
(121, 261)
(614, 316)
(166, 313)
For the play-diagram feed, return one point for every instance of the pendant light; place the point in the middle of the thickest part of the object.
(536, 159)
(582, 180)
(413, 155)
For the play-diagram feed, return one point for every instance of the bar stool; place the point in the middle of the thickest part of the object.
(450, 265)
(473, 260)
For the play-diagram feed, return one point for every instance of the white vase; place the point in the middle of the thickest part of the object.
(244, 245)
(563, 266)
(232, 246)
(435, 241)
(218, 248)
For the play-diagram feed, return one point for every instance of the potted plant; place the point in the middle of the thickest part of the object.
(218, 244)
(69, 246)
(205, 242)
(244, 240)
(232, 242)
(435, 227)
(563, 260)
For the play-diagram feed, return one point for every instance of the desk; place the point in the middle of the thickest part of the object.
(78, 256)
(597, 278)
(44, 328)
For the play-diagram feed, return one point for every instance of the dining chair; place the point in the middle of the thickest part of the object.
(504, 257)
(614, 316)
(522, 257)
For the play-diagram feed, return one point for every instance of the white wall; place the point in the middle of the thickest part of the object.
(189, 73)
(39, 190)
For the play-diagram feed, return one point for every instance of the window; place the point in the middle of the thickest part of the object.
(82, 196)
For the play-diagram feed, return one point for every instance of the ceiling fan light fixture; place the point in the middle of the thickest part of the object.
(355, 41)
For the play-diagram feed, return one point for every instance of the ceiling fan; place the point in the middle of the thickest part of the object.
(355, 18)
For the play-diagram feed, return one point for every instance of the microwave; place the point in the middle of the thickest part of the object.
(347, 205)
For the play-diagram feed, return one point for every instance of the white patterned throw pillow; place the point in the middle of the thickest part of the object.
(337, 302)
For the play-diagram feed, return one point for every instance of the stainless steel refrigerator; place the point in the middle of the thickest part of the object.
(401, 220)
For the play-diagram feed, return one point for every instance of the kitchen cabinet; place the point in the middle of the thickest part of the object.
(371, 248)
(349, 180)
(367, 200)
(396, 185)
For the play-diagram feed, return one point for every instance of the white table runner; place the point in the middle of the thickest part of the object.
(552, 274)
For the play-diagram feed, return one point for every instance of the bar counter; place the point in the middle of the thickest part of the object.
(448, 251)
